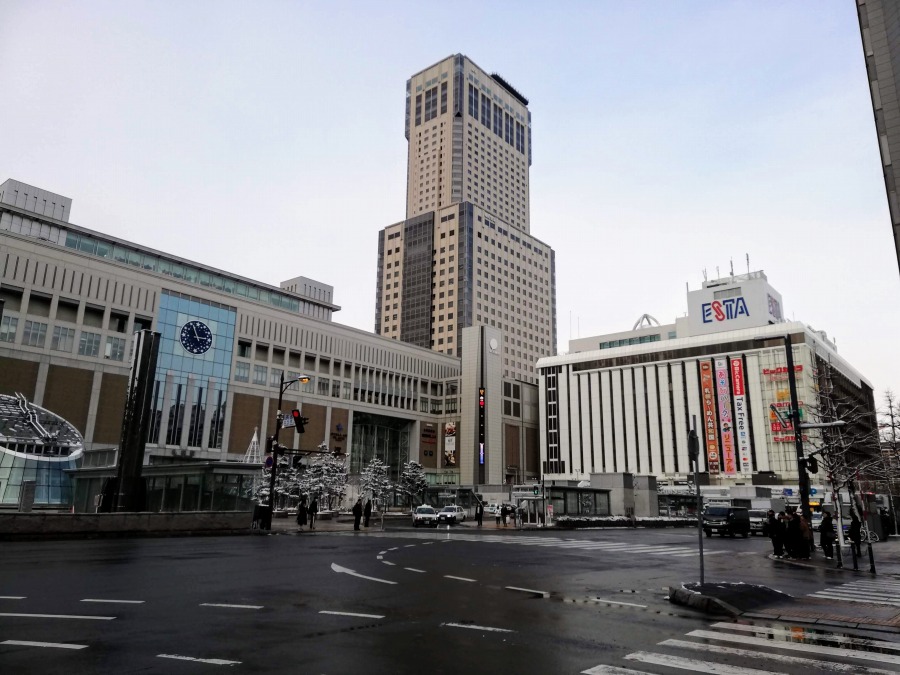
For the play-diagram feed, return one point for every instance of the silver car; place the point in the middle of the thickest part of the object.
(451, 515)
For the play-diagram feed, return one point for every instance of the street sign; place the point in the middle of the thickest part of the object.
(788, 492)
(269, 462)
(812, 491)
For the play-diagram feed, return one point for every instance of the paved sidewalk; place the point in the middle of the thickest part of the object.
(763, 603)
(344, 523)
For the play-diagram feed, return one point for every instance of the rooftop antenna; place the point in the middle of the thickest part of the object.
(704, 274)
(718, 274)
(748, 262)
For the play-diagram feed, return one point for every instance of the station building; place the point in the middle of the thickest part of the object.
(623, 403)
(73, 297)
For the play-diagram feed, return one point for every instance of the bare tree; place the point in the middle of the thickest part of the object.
(374, 480)
(412, 481)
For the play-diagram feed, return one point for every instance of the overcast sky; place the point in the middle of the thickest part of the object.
(266, 139)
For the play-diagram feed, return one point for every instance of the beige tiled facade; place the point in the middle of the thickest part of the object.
(464, 256)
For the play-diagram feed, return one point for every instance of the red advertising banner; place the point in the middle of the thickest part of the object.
(741, 422)
(723, 392)
(707, 392)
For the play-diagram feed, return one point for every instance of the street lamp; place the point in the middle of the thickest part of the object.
(279, 418)
(795, 420)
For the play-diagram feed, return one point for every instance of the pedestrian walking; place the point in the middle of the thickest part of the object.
(885, 518)
(479, 513)
(313, 512)
(775, 530)
(301, 513)
(367, 513)
(357, 513)
(504, 514)
(497, 511)
(826, 536)
(855, 535)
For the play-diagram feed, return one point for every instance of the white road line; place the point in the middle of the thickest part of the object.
(381, 552)
(409, 545)
(782, 632)
(362, 616)
(413, 569)
(426, 543)
(12, 597)
(213, 662)
(450, 576)
(846, 598)
(821, 666)
(55, 645)
(474, 627)
(58, 616)
(617, 602)
(222, 604)
(121, 602)
(543, 594)
(818, 650)
(693, 665)
(388, 562)
(393, 549)
(344, 570)
(380, 557)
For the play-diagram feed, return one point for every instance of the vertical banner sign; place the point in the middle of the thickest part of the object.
(723, 393)
(481, 426)
(741, 426)
(450, 444)
(709, 417)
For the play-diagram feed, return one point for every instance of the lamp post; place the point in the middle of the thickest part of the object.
(279, 419)
(803, 477)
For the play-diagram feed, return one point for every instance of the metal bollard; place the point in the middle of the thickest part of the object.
(855, 560)
(871, 558)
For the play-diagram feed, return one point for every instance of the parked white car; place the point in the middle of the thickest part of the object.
(451, 515)
(425, 515)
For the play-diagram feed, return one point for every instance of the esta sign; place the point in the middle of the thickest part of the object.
(724, 310)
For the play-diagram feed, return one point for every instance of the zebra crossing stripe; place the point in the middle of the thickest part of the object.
(611, 670)
(792, 633)
(695, 666)
(825, 595)
(819, 650)
(820, 666)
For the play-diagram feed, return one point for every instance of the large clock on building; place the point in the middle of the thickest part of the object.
(196, 337)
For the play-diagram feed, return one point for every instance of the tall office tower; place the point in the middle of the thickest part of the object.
(464, 254)
(879, 23)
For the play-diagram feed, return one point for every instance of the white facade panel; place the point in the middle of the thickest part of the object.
(680, 410)
(641, 433)
(596, 427)
(631, 440)
(608, 445)
(656, 465)
(618, 421)
(665, 406)
(758, 412)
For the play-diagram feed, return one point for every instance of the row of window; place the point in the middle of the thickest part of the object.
(643, 339)
(34, 334)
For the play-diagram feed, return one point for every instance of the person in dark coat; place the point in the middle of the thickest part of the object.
(826, 536)
(807, 541)
(885, 522)
(479, 513)
(855, 535)
(793, 537)
(367, 513)
(313, 511)
(357, 513)
(301, 512)
(775, 530)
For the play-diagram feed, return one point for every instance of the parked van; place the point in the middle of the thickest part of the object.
(730, 520)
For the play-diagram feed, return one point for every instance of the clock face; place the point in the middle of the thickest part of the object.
(196, 337)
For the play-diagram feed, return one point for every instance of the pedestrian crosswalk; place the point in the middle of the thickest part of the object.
(872, 591)
(745, 649)
(562, 543)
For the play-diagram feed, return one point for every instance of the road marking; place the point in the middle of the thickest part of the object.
(12, 597)
(543, 594)
(474, 627)
(344, 570)
(222, 604)
(616, 602)
(413, 569)
(214, 662)
(693, 665)
(381, 552)
(837, 596)
(821, 666)
(122, 602)
(380, 557)
(363, 616)
(450, 576)
(792, 633)
(409, 545)
(387, 562)
(58, 616)
(55, 645)
(427, 543)
(819, 650)
(393, 549)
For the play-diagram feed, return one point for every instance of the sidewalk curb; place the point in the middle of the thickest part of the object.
(703, 603)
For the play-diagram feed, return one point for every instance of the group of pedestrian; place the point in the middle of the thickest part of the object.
(793, 537)
(307, 514)
(792, 534)
(361, 513)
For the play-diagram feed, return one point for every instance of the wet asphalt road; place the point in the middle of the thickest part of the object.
(395, 602)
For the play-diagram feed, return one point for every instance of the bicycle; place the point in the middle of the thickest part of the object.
(868, 536)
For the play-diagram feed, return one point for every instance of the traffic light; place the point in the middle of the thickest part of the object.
(299, 421)
(537, 490)
(812, 464)
(693, 446)
(270, 444)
